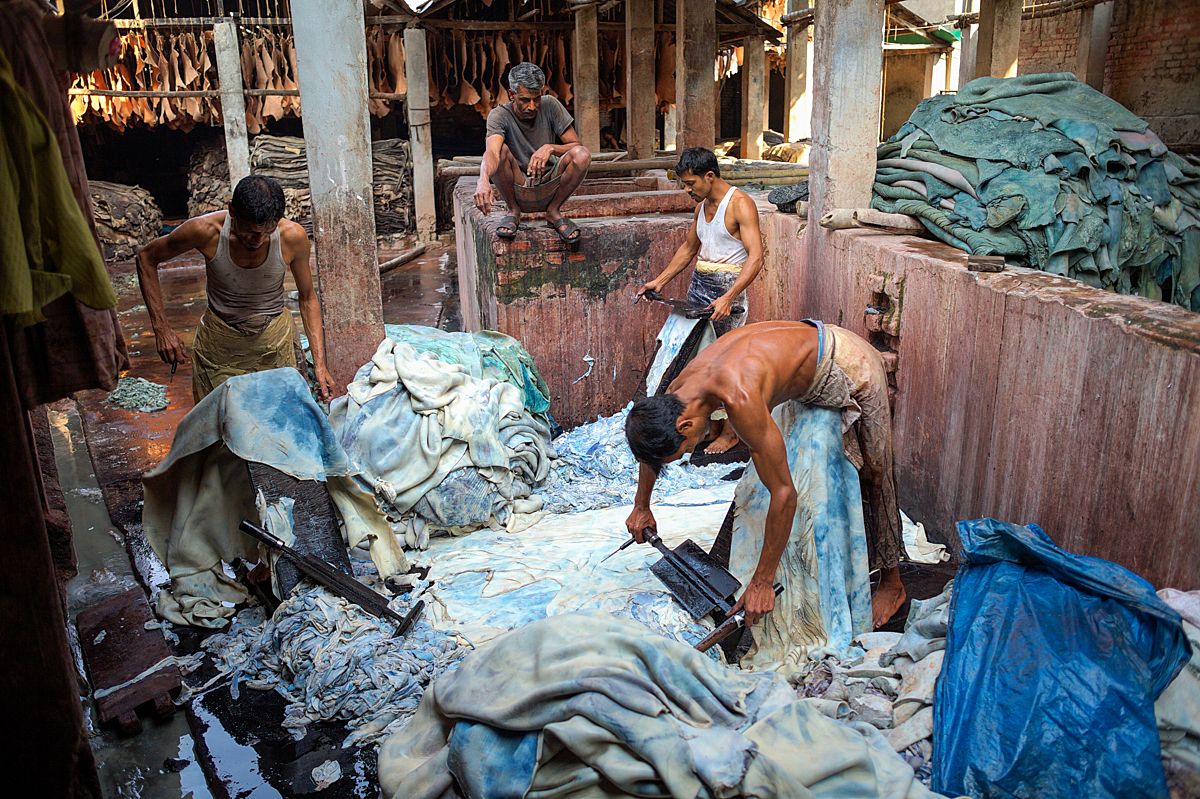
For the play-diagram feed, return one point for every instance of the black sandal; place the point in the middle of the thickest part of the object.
(507, 229)
(567, 230)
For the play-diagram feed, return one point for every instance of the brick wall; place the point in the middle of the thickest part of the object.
(1049, 44)
(1153, 67)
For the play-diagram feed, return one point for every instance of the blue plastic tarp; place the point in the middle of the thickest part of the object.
(1053, 663)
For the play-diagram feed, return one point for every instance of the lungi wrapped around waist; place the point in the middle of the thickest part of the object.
(707, 286)
(851, 378)
(220, 352)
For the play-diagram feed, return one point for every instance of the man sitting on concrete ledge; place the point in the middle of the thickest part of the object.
(533, 158)
(749, 372)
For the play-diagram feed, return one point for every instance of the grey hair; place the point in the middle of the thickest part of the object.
(528, 75)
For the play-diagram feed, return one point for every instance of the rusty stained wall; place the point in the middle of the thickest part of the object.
(566, 304)
(1022, 396)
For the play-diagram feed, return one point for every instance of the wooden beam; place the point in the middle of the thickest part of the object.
(416, 68)
(639, 77)
(179, 95)
(233, 104)
(587, 78)
(754, 66)
(695, 87)
(796, 81)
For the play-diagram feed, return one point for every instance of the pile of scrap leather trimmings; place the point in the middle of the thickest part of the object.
(283, 158)
(126, 218)
(208, 178)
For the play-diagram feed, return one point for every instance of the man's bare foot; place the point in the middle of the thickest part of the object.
(722, 443)
(889, 597)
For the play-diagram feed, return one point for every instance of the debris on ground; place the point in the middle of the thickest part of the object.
(333, 661)
(139, 394)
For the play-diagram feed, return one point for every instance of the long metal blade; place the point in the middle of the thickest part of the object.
(341, 584)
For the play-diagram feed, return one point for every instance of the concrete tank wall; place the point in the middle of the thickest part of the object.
(570, 304)
(1021, 395)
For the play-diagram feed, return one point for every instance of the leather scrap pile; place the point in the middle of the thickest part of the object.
(283, 158)
(126, 218)
(1053, 175)
(208, 178)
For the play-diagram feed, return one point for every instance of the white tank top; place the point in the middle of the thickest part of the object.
(716, 244)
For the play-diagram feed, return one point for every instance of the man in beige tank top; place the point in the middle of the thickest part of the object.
(247, 326)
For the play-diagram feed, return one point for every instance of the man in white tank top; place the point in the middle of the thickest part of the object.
(725, 235)
(247, 326)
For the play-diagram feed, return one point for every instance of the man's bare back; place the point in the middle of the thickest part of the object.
(768, 363)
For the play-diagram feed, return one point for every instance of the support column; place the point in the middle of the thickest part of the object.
(796, 78)
(670, 131)
(587, 78)
(848, 38)
(766, 93)
(1094, 24)
(695, 68)
(639, 78)
(331, 66)
(233, 103)
(416, 70)
(754, 66)
(999, 38)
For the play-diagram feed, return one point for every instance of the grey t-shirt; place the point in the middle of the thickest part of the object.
(524, 138)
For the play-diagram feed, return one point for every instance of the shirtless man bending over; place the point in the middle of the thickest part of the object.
(748, 372)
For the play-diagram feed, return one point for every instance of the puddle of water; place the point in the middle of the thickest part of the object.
(104, 567)
(160, 762)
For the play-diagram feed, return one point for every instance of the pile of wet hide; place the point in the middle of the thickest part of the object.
(441, 430)
(1053, 175)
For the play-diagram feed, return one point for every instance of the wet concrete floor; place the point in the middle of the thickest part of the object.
(217, 748)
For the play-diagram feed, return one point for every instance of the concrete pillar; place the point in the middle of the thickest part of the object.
(796, 105)
(233, 103)
(848, 62)
(587, 78)
(754, 75)
(416, 70)
(695, 68)
(640, 78)
(670, 132)
(1094, 24)
(999, 38)
(331, 66)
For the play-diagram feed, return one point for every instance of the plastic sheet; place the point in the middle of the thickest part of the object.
(1053, 662)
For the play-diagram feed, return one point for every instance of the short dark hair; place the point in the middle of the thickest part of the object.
(699, 161)
(258, 200)
(650, 429)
